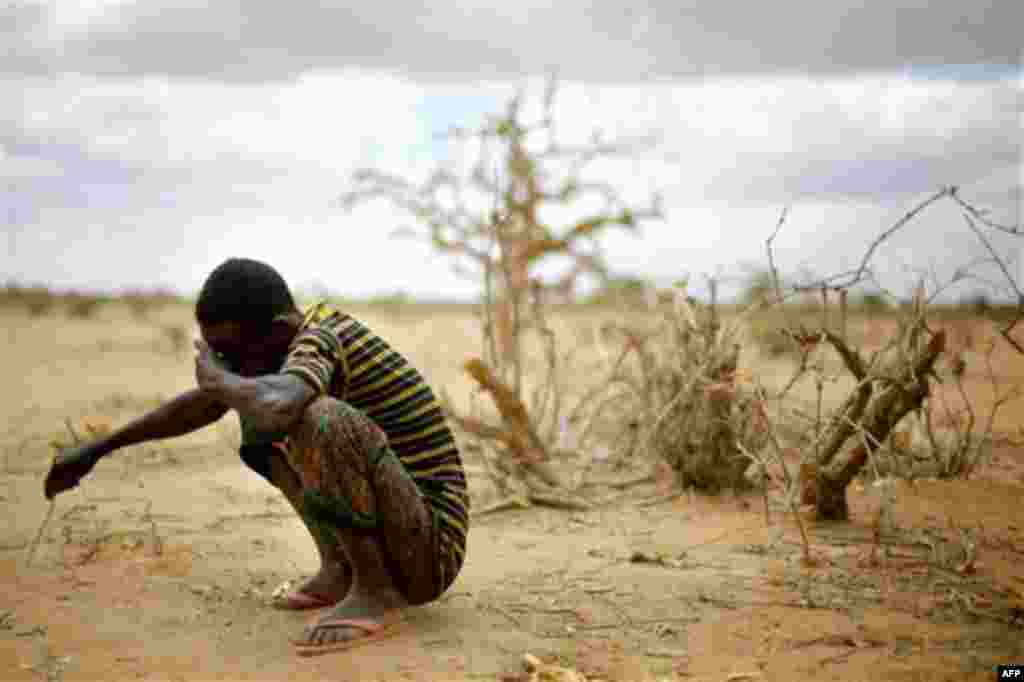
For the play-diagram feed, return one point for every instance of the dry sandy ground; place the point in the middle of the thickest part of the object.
(159, 566)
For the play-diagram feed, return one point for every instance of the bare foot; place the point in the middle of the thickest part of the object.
(359, 617)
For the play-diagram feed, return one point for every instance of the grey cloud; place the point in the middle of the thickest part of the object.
(20, 20)
(878, 178)
(591, 41)
(166, 208)
(836, 155)
(24, 44)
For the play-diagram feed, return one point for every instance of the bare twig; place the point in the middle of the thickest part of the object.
(559, 501)
(771, 256)
(39, 534)
(50, 508)
(512, 502)
(1007, 330)
(156, 542)
(909, 216)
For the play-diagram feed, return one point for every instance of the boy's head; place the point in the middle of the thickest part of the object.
(243, 312)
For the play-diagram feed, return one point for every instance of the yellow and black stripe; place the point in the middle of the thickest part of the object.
(343, 358)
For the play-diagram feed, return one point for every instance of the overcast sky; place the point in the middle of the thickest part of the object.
(143, 143)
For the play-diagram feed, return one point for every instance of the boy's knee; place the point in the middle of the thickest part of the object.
(325, 409)
(327, 415)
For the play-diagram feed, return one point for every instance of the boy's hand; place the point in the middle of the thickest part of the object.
(209, 372)
(70, 467)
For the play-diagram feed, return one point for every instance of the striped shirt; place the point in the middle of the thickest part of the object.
(341, 357)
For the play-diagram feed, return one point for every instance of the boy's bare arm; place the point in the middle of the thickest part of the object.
(272, 403)
(186, 413)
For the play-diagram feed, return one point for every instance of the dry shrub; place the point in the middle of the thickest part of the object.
(39, 300)
(83, 306)
(143, 303)
(767, 335)
(39, 306)
(36, 300)
(490, 216)
(519, 433)
(678, 390)
(894, 382)
(956, 431)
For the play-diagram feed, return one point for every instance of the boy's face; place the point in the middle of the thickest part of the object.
(247, 351)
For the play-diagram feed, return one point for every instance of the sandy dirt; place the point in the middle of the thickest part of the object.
(160, 566)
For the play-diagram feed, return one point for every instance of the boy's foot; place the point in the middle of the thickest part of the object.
(356, 620)
(326, 588)
(301, 600)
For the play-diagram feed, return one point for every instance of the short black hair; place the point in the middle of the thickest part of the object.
(243, 290)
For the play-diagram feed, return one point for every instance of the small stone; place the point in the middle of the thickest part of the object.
(282, 589)
(665, 630)
(201, 590)
(531, 662)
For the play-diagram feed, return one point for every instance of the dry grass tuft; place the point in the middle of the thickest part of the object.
(678, 394)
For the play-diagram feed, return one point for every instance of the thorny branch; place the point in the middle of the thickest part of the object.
(896, 379)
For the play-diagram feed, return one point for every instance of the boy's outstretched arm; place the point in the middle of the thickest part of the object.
(188, 412)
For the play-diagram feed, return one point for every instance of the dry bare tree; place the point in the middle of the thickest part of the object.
(677, 390)
(897, 379)
(493, 220)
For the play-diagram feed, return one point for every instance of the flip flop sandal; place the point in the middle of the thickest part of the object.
(374, 631)
(297, 600)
